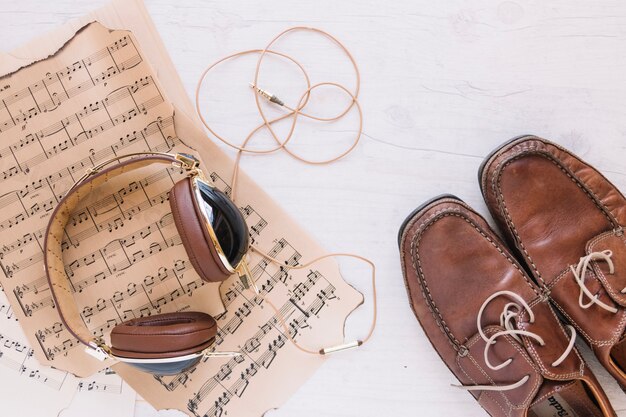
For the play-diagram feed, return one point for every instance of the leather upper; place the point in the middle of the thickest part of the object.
(554, 209)
(452, 262)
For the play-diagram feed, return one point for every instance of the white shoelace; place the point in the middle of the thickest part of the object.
(507, 320)
(579, 276)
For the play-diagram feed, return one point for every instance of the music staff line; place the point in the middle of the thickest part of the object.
(54, 99)
(286, 310)
(115, 220)
(155, 127)
(100, 387)
(263, 361)
(146, 288)
(295, 296)
(18, 362)
(252, 345)
(282, 274)
(41, 284)
(112, 222)
(6, 309)
(147, 309)
(165, 145)
(157, 304)
(31, 372)
(25, 166)
(127, 260)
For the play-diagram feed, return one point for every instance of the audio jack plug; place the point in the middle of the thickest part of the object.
(266, 94)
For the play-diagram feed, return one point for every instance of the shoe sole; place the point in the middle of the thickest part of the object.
(404, 225)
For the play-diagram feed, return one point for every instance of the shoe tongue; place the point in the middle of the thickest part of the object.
(613, 283)
(556, 342)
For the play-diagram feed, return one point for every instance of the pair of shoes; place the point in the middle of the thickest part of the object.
(504, 317)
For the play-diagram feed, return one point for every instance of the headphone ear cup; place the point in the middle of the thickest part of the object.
(163, 336)
(191, 227)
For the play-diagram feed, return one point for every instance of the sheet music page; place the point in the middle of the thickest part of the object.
(56, 392)
(122, 252)
(104, 394)
(95, 99)
(21, 373)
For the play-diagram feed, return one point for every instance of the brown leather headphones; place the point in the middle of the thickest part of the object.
(216, 239)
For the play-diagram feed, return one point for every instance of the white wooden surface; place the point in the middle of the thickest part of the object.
(443, 84)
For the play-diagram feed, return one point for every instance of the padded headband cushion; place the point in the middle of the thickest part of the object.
(163, 336)
(191, 227)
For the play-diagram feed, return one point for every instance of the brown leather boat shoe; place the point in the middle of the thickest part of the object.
(565, 220)
(489, 321)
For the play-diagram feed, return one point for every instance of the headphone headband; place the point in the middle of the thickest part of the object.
(58, 280)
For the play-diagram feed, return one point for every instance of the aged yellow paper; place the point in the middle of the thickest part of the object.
(98, 97)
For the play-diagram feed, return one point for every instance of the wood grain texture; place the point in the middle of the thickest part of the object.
(443, 84)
